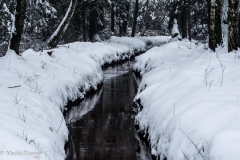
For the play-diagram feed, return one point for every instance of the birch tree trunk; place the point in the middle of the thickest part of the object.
(58, 34)
(19, 25)
(233, 25)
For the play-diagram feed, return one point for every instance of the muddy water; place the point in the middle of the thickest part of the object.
(102, 126)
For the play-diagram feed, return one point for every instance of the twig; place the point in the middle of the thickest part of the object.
(58, 60)
(184, 154)
(15, 86)
(206, 72)
(210, 86)
(187, 135)
(60, 124)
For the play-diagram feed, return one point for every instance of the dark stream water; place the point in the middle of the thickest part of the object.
(102, 126)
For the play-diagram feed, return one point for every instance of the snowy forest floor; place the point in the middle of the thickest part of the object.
(35, 88)
(188, 101)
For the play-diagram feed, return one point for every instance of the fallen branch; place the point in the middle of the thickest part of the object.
(15, 86)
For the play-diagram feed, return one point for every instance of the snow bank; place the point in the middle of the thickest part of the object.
(35, 87)
(133, 43)
(154, 41)
(190, 100)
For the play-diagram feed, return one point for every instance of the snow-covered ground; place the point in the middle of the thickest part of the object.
(35, 87)
(191, 102)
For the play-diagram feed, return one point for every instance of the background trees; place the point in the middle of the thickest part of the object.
(97, 20)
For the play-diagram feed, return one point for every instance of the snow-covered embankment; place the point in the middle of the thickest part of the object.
(35, 88)
(188, 102)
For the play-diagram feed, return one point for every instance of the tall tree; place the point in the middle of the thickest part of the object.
(83, 11)
(126, 17)
(145, 17)
(58, 34)
(113, 16)
(135, 18)
(19, 25)
(212, 31)
(184, 19)
(233, 25)
(189, 21)
(218, 30)
(93, 22)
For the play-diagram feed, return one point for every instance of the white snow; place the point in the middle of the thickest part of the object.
(134, 44)
(155, 41)
(175, 30)
(191, 103)
(35, 87)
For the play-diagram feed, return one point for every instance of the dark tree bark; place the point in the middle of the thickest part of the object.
(84, 22)
(58, 34)
(112, 17)
(179, 10)
(218, 29)
(93, 23)
(233, 25)
(189, 21)
(212, 32)
(184, 20)
(135, 19)
(19, 25)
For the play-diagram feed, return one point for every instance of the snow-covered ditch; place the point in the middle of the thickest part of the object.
(35, 87)
(189, 102)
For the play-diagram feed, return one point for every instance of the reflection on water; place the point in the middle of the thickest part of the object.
(103, 127)
(78, 111)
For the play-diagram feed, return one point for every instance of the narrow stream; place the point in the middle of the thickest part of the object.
(102, 126)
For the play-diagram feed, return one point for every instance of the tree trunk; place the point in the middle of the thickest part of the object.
(212, 39)
(145, 19)
(184, 20)
(218, 29)
(19, 25)
(58, 34)
(179, 10)
(135, 19)
(84, 23)
(189, 21)
(233, 25)
(93, 23)
(112, 17)
(125, 23)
